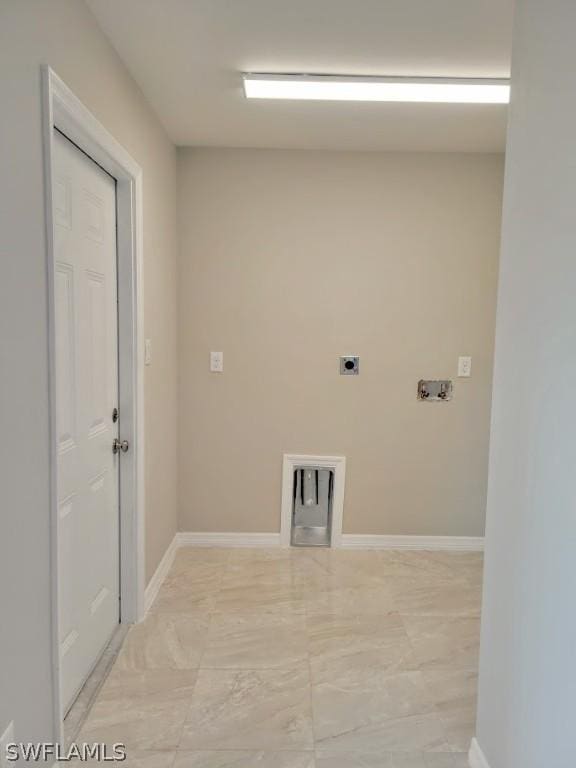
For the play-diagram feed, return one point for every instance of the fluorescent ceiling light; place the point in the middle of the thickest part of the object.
(401, 89)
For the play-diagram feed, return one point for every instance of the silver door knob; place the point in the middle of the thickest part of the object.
(120, 445)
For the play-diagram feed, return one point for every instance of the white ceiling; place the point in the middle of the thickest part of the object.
(187, 56)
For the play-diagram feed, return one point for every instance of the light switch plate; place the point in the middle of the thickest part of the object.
(147, 351)
(6, 738)
(464, 367)
(217, 362)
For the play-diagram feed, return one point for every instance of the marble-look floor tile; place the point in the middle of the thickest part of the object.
(202, 578)
(413, 568)
(124, 684)
(135, 758)
(367, 561)
(189, 590)
(183, 602)
(259, 598)
(205, 577)
(243, 759)
(245, 574)
(250, 710)
(191, 557)
(445, 760)
(474, 575)
(462, 566)
(149, 759)
(460, 760)
(328, 569)
(259, 554)
(350, 600)
(442, 642)
(451, 599)
(165, 641)
(348, 649)
(390, 639)
(313, 567)
(386, 713)
(144, 710)
(327, 759)
(457, 562)
(262, 641)
(330, 759)
(435, 567)
(454, 694)
(319, 557)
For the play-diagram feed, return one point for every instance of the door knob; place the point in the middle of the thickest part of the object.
(120, 445)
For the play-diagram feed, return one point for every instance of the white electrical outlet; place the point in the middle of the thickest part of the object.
(6, 738)
(217, 362)
(464, 367)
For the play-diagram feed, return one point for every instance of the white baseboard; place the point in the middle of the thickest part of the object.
(160, 574)
(348, 541)
(193, 539)
(476, 756)
(440, 543)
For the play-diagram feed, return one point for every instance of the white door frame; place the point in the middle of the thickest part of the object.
(64, 111)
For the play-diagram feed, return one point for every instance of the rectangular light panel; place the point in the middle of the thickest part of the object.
(399, 89)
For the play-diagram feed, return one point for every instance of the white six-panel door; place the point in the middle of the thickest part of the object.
(84, 199)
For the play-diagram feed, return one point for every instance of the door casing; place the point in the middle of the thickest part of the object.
(64, 111)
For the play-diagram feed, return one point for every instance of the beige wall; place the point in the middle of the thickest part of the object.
(63, 34)
(290, 259)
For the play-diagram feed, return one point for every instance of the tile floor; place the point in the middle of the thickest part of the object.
(300, 659)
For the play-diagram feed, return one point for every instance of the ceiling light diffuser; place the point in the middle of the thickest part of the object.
(398, 89)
